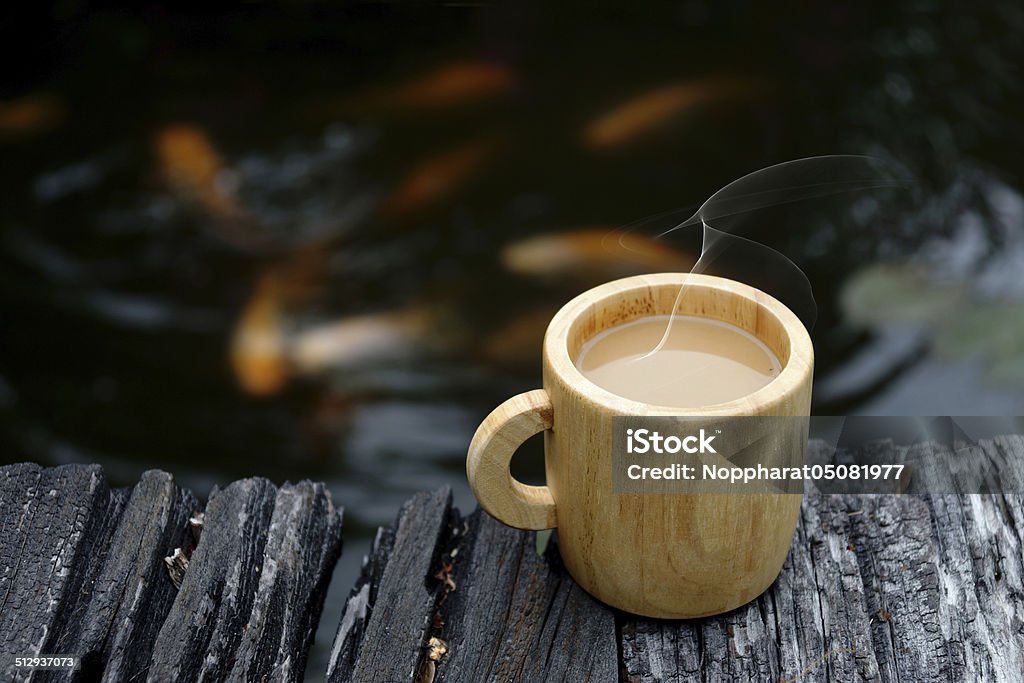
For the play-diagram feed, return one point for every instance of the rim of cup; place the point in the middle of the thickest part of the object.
(765, 401)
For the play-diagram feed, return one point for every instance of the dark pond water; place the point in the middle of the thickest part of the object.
(288, 242)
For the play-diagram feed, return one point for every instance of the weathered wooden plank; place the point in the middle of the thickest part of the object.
(55, 526)
(819, 599)
(811, 624)
(515, 615)
(356, 614)
(990, 466)
(397, 621)
(115, 624)
(202, 631)
(303, 544)
(82, 572)
(875, 588)
(945, 577)
(933, 577)
(897, 551)
(888, 588)
(1005, 454)
(254, 586)
(980, 565)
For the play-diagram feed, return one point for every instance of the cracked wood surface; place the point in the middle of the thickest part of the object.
(82, 572)
(875, 588)
(395, 618)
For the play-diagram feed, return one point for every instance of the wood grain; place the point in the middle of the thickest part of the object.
(392, 622)
(893, 588)
(55, 530)
(491, 451)
(251, 597)
(115, 623)
(82, 572)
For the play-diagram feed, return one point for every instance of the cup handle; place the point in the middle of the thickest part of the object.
(487, 464)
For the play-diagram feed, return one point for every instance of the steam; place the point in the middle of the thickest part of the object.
(794, 181)
(724, 215)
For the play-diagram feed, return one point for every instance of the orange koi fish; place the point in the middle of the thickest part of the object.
(30, 114)
(434, 178)
(365, 338)
(190, 165)
(592, 255)
(447, 86)
(656, 108)
(259, 345)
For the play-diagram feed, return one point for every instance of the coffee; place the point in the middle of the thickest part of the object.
(702, 362)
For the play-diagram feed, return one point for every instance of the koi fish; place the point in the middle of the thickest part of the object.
(30, 114)
(592, 255)
(434, 178)
(259, 345)
(654, 109)
(448, 85)
(191, 166)
(364, 338)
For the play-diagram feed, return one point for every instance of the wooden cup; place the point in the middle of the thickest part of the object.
(658, 555)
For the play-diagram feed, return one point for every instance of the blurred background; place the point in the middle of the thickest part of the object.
(311, 240)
